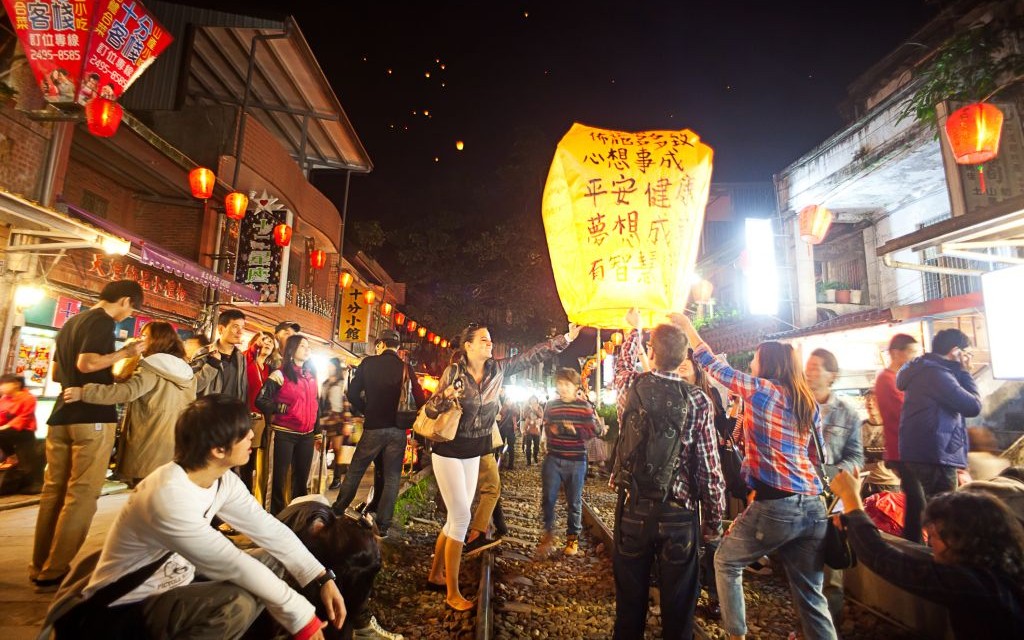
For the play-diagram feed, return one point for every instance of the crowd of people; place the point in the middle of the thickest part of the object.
(221, 435)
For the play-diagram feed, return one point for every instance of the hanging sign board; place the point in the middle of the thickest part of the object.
(354, 316)
(53, 34)
(623, 214)
(261, 263)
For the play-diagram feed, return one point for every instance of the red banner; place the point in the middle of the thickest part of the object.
(125, 40)
(53, 34)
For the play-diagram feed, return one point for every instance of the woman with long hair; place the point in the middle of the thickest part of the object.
(289, 396)
(475, 379)
(787, 515)
(332, 409)
(161, 387)
(259, 358)
(976, 570)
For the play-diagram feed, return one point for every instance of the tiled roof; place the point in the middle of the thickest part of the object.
(839, 323)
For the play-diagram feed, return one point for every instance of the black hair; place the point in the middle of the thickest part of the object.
(828, 360)
(466, 335)
(118, 289)
(12, 377)
(901, 341)
(229, 315)
(288, 359)
(949, 339)
(216, 421)
(200, 338)
(669, 343)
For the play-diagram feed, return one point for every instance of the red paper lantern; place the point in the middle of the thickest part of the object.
(422, 331)
(814, 223)
(201, 180)
(973, 132)
(344, 279)
(411, 326)
(385, 308)
(702, 291)
(282, 235)
(430, 336)
(235, 204)
(103, 116)
(317, 259)
(370, 296)
(399, 319)
(436, 340)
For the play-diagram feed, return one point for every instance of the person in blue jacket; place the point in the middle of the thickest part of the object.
(939, 394)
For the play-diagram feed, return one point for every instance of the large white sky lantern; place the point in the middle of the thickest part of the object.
(761, 271)
(623, 212)
(1004, 308)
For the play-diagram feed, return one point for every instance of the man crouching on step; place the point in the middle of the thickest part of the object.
(143, 583)
(666, 457)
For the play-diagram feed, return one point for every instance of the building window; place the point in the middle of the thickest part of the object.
(94, 204)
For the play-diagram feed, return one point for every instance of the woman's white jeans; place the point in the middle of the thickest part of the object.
(456, 480)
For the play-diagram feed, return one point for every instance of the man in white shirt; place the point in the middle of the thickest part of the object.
(142, 584)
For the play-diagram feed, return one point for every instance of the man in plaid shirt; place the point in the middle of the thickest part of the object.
(646, 525)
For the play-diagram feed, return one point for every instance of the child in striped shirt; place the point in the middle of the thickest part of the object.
(568, 423)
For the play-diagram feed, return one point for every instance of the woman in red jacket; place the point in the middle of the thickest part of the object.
(290, 396)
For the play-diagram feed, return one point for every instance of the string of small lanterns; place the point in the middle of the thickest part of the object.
(401, 321)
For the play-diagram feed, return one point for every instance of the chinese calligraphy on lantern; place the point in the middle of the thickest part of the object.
(623, 213)
(354, 315)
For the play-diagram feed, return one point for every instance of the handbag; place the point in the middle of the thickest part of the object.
(838, 552)
(439, 429)
(406, 414)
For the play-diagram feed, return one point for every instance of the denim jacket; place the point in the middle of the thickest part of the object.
(841, 426)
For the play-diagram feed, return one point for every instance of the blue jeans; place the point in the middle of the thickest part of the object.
(571, 473)
(390, 444)
(794, 527)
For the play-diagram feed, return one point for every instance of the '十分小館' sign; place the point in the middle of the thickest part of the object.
(261, 263)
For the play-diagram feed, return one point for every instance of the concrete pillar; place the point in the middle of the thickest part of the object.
(803, 274)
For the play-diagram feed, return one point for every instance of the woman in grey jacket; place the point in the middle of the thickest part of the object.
(476, 379)
(161, 387)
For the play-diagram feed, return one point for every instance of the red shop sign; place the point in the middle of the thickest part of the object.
(53, 34)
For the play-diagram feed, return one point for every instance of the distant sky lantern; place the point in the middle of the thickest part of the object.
(370, 295)
(422, 331)
(102, 117)
(201, 181)
(399, 319)
(385, 308)
(344, 279)
(410, 326)
(702, 291)
(623, 214)
(460, 145)
(317, 259)
(973, 133)
(617, 338)
(235, 204)
(282, 235)
(815, 221)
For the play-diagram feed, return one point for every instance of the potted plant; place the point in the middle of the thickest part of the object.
(819, 288)
(855, 296)
(830, 291)
(842, 293)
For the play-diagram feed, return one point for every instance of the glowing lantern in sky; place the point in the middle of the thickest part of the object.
(702, 291)
(411, 326)
(623, 214)
(422, 331)
(282, 235)
(370, 295)
(344, 279)
(235, 204)
(814, 223)
(317, 259)
(973, 132)
(460, 145)
(399, 319)
(385, 308)
(103, 116)
(201, 181)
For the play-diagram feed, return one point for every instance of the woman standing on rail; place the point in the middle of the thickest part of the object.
(475, 378)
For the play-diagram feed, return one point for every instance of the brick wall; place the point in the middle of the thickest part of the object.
(22, 151)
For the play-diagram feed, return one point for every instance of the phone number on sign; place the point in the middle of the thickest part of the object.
(63, 55)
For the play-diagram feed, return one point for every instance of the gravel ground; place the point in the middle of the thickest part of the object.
(558, 597)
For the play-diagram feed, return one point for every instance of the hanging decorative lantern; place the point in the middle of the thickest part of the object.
(617, 338)
(609, 347)
(430, 336)
(317, 259)
(702, 291)
(973, 133)
(422, 331)
(411, 326)
(385, 308)
(444, 344)
(235, 204)
(436, 340)
(370, 295)
(103, 116)
(399, 319)
(282, 235)
(344, 279)
(815, 221)
(201, 181)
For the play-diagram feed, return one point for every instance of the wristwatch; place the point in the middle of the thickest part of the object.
(324, 579)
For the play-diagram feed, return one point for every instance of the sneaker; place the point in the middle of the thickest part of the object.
(759, 567)
(544, 548)
(375, 631)
(479, 544)
(48, 586)
(336, 484)
(572, 545)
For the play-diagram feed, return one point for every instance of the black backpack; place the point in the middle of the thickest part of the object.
(647, 453)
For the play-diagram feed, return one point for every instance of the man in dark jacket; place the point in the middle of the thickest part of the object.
(374, 392)
(939, 394)
(221, 367)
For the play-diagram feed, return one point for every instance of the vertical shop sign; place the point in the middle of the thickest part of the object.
(261, 264)
(67, 308)
(354, 318)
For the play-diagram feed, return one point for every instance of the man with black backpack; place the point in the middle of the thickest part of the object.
(667, 472)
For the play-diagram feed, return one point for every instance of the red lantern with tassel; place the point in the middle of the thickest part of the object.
(385, 308)
(344, 279)
(973, 133)
(317, 259)
(103, 116)
(815, 221)
(370, 295)
(235, 204)
(399, 319)
(201, 181)
(282, 235)
(410, 326)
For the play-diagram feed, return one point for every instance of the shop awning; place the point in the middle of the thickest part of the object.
(839, 323)
(56, 231)
(154, 255)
